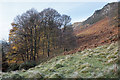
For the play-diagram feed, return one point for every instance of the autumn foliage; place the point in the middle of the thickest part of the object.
(35, 34)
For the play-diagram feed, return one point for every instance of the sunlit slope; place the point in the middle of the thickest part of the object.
(98, 63)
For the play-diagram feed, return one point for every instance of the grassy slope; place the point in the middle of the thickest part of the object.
(97, 62)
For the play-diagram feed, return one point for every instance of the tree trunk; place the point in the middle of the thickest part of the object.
(38, 43)
(43, 43)
(35, 41)
(31, 56)
(48, 46)
(27, 55)
(22, 57)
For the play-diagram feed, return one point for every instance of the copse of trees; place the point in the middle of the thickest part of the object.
(40, 33)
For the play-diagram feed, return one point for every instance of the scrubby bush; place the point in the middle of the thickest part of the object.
(13, 67)
(28, 64)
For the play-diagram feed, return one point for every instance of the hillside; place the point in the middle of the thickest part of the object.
(96, 55)
(110, 10)
(99, 62)
(101, 28)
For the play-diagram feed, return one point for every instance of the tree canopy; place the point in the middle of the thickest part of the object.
(35, 34)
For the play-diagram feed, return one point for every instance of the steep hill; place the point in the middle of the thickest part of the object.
(99, 62)
(110, 9)
(100, 28)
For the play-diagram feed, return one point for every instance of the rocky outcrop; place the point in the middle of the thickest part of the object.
(109, 10)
